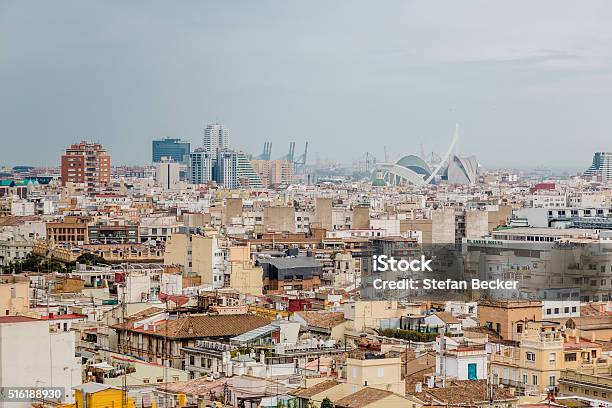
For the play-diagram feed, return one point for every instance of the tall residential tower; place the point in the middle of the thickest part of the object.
(86, 163)
(216, 137)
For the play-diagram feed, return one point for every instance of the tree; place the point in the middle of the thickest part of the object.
(90, 259)
(326, 403)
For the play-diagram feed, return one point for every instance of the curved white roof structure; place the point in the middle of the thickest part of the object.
(412, 169)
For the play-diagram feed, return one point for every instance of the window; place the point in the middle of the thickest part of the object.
(191, 360)
(548, 311)
(472, 373)
(556, 310)
(530, 356)
(534, 379)
(570, 357)
(573, 309)
(145, 380)
(552, 380)
(519, 328)
(552, 358)
(524, 378)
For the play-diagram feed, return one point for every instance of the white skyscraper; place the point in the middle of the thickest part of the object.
(226, 173)
(216, 137)
(201, 165)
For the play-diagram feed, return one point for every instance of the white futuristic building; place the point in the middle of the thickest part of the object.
(414, 170)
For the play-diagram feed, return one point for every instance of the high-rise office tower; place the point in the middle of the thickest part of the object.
(216, 137)
(86, 163)
(201, 167)
(176, 149)
(601, 166)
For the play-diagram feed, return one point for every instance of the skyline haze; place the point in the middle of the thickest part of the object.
(528, 88)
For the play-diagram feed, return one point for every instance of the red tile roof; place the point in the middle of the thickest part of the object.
(64, 316)
(201, 326)
(17, 319)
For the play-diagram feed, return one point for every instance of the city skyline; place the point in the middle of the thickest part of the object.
(535, 83)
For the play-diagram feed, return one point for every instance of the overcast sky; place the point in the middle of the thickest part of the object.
(529, 82)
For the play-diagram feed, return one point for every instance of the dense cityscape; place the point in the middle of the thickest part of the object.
(217, 277)
(322, 204)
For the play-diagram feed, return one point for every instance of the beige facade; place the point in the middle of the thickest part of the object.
(233, 209)
(273, 172)
(443, 226)
(72, 230)
(279, 218)
(361, 217)
(323, 213)
(245, 277)
(198, 254)
(14, 296)
(543, 352)
(534, 365)
(499, 216)
(423, 225)
(381, 373)
(476, 224)
(598, 387)
(507, 317)
(368, 313)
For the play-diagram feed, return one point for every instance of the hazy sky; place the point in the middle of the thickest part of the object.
(529, 82)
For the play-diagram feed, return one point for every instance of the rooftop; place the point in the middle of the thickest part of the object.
(200, 326)
(363, 397)
(322, 319)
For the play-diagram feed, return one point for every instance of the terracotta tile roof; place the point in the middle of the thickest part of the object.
(201, 326)
(12, 221)
(590, 309)
(322, 319)
(197, 387)
(179, 300)
(361, 398)
(591, 322)
(463, 393)
(419, 377)
(577, 343)
(315, 389)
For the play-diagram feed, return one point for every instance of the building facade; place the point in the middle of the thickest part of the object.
(86, 163)
(176, 149)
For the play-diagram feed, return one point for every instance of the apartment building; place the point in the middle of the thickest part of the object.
(508, 317)
(86, 163)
